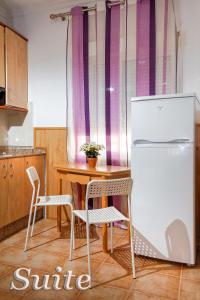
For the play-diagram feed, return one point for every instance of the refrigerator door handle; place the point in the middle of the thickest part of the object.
(175, 141)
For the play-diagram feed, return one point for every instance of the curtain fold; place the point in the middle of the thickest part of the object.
(142, 48)
(86, 74)
(112, 84)
(80, 80)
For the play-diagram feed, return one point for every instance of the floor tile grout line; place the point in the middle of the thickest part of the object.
(179, 290)
(24, 264)
(151, 294)
(146, 294)
(190, 280)
(103, 262)
(99, 284)
(170, 275)
(23, 294)
(130, 288)
(99, 265)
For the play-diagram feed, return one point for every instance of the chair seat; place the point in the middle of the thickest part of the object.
(101, 215)
(54, 200)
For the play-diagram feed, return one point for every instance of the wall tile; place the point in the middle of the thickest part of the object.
(3, 128)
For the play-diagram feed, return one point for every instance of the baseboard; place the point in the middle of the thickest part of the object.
(18, 225)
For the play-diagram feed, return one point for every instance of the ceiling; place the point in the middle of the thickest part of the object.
(17, 7)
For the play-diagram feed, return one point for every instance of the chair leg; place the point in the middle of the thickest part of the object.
(132, 250)
(45, 212)
(74, 223)
(72, 236)
(88, 252)
(28, 228)
(34, 215)
(111, 237)
(73, 245)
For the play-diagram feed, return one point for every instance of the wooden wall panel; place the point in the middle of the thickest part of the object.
(54, 140)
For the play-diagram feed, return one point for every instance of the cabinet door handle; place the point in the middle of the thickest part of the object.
(5, 171)
(12, 169)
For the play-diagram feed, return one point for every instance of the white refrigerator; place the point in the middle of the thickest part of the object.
(163, 172)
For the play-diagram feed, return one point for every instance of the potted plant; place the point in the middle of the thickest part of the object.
(92, 151)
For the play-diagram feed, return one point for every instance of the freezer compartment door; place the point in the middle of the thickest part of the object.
(163, 120)
(163, 202)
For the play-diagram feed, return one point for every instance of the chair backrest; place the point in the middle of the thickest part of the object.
(113, 187)
(35, 182)
(33, 176)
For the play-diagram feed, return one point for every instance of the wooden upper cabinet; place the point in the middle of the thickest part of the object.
(2, 58)
(16, 70)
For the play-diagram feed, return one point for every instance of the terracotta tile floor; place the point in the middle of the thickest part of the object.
(156, 280)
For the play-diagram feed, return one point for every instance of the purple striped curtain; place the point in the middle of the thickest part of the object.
(115, 54)
(80, 85)
(80, 88)
(112, 89)
(81, 116)
(147, 70)
(164, 77)
(80, 75)
(112, 84)
(146, 48)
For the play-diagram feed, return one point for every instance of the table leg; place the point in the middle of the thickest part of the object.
(83, 190)
(104, 229)
(59, 207)
(129, 233)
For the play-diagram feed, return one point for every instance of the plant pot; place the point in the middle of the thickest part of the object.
(92, 161)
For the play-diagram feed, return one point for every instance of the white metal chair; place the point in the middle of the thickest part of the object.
(39, 201)
(99, 188)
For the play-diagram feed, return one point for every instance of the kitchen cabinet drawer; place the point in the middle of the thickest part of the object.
(82, 179)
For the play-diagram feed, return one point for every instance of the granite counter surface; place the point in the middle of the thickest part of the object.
(12, 151)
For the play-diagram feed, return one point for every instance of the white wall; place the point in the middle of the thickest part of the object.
(188, 15)
(16, 128)
(47, 59)
(47, 67)
(20, 128)
(5, 14)
(3, 128)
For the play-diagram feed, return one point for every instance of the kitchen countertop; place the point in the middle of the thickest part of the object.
(11, 151)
